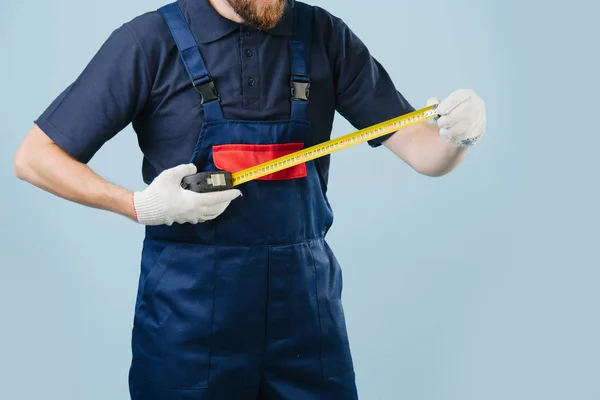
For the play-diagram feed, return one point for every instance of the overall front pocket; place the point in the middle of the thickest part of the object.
(336, 358)
(173, 323)
(236, 157)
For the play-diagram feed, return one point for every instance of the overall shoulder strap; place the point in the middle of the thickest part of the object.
(192, 60)
(299, 50)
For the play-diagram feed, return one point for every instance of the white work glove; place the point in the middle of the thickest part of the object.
(462, 117)
(164, 201)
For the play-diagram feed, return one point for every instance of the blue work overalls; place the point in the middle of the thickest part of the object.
(247, 306)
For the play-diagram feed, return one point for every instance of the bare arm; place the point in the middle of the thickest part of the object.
(44, 164)
(422, 147)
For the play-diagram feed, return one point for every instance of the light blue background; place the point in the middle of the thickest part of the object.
(481, 285)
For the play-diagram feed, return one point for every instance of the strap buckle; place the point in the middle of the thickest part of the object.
(206, 90)
(300, 87)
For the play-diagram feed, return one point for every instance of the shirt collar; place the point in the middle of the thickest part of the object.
(212, 26)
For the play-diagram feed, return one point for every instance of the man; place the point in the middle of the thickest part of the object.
(239, 294)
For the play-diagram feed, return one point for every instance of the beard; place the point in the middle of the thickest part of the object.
(261, 14)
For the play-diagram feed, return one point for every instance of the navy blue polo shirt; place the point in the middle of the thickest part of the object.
(137, 77)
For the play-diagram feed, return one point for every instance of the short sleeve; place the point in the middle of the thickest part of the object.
(365, 93)
(102, 101)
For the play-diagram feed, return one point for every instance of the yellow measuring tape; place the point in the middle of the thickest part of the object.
(343, 142)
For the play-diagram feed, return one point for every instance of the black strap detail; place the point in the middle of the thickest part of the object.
(207, 91)
(300, 87)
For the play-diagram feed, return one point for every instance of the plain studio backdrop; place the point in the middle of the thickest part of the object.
(481, 285)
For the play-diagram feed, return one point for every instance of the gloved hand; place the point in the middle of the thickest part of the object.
(462, 117)
(164, 201)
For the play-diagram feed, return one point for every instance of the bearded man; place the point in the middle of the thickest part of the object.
(239, 294)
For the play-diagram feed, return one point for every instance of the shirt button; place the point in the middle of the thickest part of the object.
(251, 81)
(249, 53)
(247, 34)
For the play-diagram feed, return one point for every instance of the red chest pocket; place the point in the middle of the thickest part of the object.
(236, 157)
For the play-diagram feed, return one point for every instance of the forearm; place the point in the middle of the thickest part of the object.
(42, 163)
(422, 147)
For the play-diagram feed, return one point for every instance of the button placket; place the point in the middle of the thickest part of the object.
(250, 69)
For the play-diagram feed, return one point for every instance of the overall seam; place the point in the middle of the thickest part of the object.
(318, 307)
(212, 316)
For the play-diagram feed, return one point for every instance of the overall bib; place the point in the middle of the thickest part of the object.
(247, 306)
